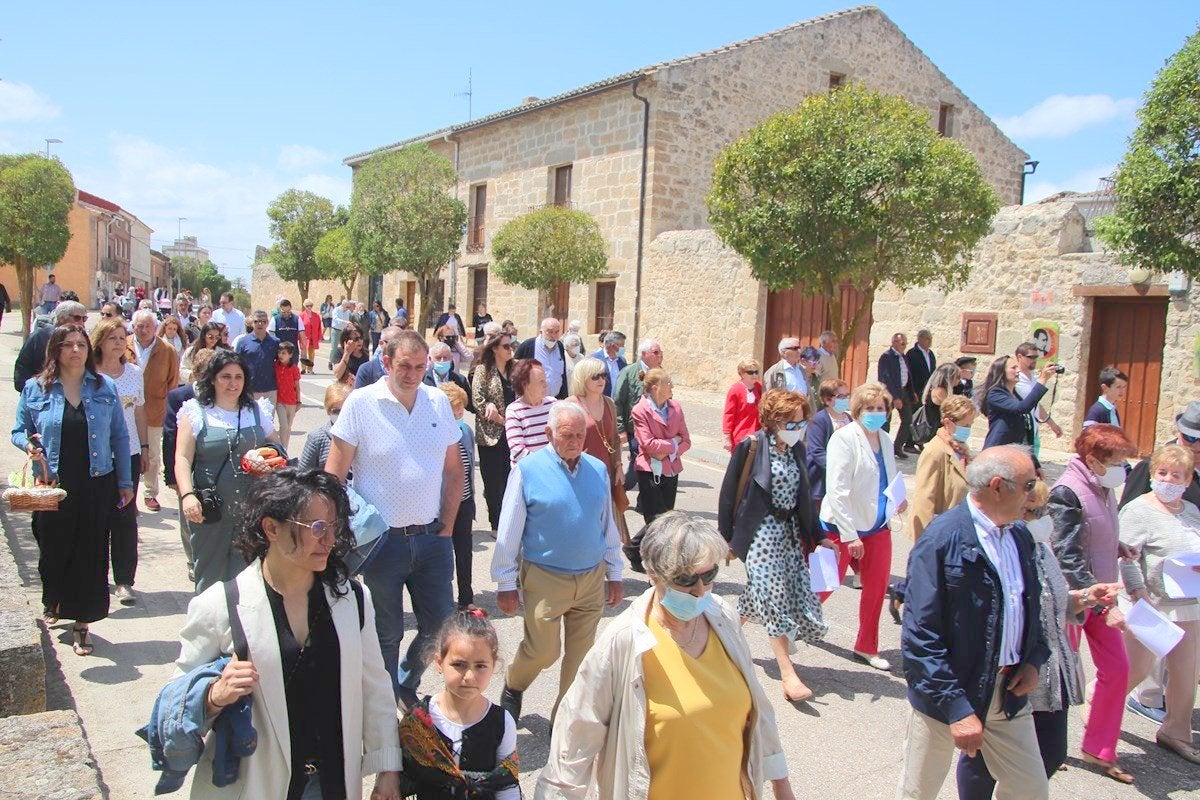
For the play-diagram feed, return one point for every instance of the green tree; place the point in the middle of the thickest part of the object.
(36, 195)
(335, 258)
(549, 246)
(1156, 222)
(402, 217)
(298, 220)
(851, 186)
(198, 276)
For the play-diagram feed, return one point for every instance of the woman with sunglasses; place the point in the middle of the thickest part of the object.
(771, 527)
(351, 354)
(600, 437)
(740, 417)
(314, 680)
(1086, 540)
(209, 339)
(667, 703)
(69, 421)
(492, 392)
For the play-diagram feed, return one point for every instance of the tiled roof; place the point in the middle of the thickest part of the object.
(608, 83)
(99, 202)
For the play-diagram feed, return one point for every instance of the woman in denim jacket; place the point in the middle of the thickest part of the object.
(69, 418)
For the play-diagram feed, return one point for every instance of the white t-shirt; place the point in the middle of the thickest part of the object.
(299, 323)
(191, 413)
(398, 461)
(233, 319)
(132, 393)
(454, 732)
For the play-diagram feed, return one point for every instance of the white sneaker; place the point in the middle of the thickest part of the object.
(874, 661)
(125, 595)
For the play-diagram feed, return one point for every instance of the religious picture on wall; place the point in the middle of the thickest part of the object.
(1045, 336)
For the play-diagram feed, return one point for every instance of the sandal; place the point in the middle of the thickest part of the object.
(50, 618)
(803, 693)
(82, 643)
(1110, 768)
(1179, 747)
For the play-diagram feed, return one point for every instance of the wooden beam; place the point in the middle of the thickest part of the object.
(1120, 291)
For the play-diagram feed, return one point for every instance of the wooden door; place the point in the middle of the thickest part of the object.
(1130, 333)
(791, 313)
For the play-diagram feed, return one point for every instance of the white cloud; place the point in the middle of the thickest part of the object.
(297, 157)
(20, 102)
(1062, 115)
(1086, 180)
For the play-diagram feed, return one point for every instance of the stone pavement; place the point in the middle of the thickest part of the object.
(846, 743)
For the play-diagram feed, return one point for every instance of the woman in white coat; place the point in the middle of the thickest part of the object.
(860, 465)
(666, 704)
(304, 622)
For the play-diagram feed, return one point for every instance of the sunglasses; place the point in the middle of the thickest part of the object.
(318, 529)
(599, 376)
(1029, 484)
(337, 410)
(507, 346)
(751, 372)
(794, 425)
(79, 317)
(688, 581)
(792, 348)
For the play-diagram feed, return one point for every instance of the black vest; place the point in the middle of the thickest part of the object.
(288, 330)
(478, 755)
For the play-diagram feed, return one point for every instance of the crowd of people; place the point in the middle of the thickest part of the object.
(666, 700)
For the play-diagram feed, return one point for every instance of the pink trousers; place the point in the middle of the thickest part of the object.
(1107, 646)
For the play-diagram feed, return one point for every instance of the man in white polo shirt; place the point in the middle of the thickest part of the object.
(400, 439)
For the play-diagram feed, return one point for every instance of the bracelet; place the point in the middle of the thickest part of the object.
(145, 447)
(212, 702)
(183, 497)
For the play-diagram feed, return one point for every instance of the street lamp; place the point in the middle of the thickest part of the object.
(50, 142)
(181, 221)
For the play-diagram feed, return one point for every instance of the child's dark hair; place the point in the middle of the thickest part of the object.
(289, 348)
(468, 623)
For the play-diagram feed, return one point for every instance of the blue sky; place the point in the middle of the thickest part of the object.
(208, 111)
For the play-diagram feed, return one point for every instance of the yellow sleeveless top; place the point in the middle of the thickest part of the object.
(696, 715)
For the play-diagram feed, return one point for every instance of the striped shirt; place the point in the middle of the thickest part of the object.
(1001, 549)
(525, 427)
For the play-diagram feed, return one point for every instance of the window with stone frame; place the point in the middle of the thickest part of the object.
(946, 120)
(475, 224)
(605, 303)
(836, 79)
(562, 186)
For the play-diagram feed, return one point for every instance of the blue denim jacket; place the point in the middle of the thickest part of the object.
(178, 724)
(41, 411)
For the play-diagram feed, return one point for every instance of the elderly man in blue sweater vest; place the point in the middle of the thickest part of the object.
(557, 536)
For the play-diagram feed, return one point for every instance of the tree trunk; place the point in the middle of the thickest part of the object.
(24, 292)
(349, 286)
(303, 287)
(425, 287)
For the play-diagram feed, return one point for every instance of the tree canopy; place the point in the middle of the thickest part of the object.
(298, 220)
(198, 276)
(852, 186)
(336, 259)
(36, 196)
(1156, 222)
(402, 217)
(549, 246)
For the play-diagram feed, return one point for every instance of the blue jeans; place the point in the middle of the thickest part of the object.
(424, 564)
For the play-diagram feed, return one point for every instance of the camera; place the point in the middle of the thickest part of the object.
(451, 341)
(1059, 369)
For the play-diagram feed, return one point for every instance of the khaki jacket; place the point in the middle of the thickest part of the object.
(600, 731)
(160, 376)
(940, 484)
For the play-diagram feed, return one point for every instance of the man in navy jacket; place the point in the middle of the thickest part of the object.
(972, 640)
(614, 360)
(897, 377)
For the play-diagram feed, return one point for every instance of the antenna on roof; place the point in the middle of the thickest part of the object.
(469, 94)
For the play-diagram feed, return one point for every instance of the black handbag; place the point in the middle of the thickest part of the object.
(210, 500)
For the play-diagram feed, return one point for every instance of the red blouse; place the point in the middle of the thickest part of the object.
(740, 418)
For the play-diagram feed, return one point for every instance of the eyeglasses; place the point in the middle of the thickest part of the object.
(318, 529)
(507, 346)
(794, 425)
(751, 372)
(79, 317)
(797, 347)
(1029, 484)
(842, 396)
(1189, 439)
(688, 581)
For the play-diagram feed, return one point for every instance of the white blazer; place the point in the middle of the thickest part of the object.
(851, 502)
(370, 729)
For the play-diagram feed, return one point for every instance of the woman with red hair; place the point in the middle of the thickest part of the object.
(1085, 540)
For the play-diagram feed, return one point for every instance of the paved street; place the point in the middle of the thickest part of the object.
(845, 744)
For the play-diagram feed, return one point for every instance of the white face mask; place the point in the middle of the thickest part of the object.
(789, 437)
(1041, 528)
(1167, 492)
(1114, 477)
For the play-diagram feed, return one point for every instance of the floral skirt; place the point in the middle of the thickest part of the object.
(779, 591)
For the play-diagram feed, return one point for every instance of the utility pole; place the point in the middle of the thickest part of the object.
(181, 221)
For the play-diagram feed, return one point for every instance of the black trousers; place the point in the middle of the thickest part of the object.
(462, 551)
(655, 498)
(976, 783)
(494, 466)
(123, 535)
(904, 436)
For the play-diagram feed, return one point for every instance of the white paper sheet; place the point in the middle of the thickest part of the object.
(823, 569)
(1178, 578)
(896, 493)
(1152, 629)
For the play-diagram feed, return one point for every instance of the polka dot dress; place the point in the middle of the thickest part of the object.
(779, 593)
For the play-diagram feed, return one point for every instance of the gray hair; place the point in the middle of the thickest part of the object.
(676, 543)
(390, 333)
(826, 336)
(560, 410)
(995, 462)
(575, 325)
(572, 339)
(614, 337)
(924, 332)
(490, 329)
(647, 345)
(583, 372)
(436, 348)
(783, 343)
(143, 313)
(67, 309)
(260, 314)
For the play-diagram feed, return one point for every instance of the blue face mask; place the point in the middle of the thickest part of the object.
(841, 405)
(685, 607)
(873, 420)
(442, 367)
(620, 352)
(961, 433)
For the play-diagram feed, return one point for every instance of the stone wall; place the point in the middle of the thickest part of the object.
(266, 288)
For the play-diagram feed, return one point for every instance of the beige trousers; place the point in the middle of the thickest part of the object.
(1010, 748)
(152, 472)
(556, 604)
(1182, 670)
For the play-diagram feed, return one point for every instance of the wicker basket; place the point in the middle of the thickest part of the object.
(28, 495)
